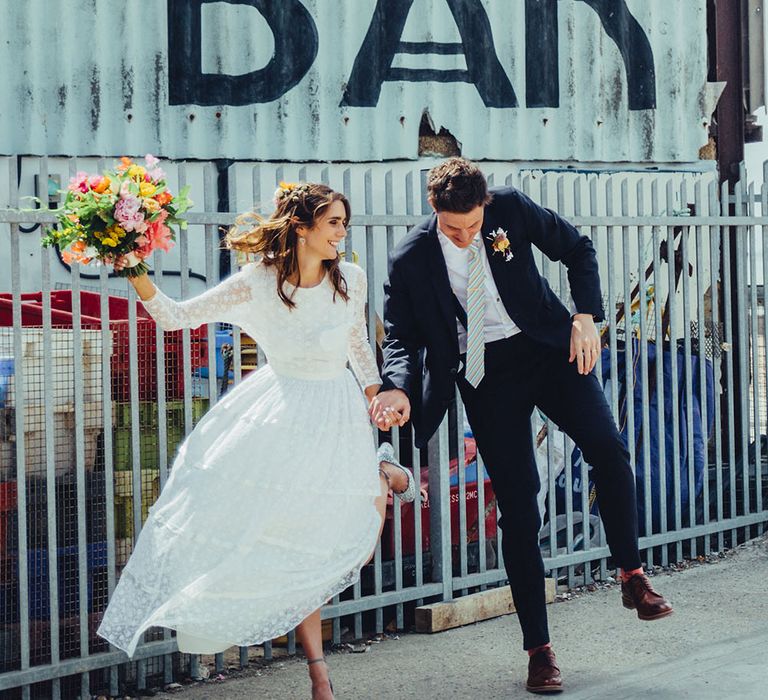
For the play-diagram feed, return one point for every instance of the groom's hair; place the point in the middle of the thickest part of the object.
(458, 186)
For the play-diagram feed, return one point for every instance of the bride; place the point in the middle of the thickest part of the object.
(276, 499)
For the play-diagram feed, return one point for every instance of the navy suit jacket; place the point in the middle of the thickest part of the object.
(421, 348)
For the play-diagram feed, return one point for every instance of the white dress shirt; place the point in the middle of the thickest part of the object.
(498, 324)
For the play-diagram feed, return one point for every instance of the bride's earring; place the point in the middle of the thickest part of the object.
(302, 239)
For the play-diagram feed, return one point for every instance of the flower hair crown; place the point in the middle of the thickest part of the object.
(292, 191)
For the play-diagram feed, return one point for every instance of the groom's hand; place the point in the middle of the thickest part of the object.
(390, 408)
(585, 343)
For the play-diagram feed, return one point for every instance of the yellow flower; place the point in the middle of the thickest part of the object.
(136, 172)
(115, 233)
(500, 244)
(151, 205)
(146, 189)
(108, 242)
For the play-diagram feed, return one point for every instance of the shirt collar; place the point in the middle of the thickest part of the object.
(451, 248)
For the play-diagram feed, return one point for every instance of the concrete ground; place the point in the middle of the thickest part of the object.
(715, 647)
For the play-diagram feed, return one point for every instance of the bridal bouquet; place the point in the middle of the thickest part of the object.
(125, 212)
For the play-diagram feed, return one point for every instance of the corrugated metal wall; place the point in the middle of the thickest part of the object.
(349, 80)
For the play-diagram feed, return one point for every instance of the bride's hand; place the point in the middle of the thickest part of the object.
(122, 262)
(390, 408)
(143, 285)
(395, 417)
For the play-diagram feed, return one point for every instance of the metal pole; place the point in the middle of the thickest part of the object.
(728, 68)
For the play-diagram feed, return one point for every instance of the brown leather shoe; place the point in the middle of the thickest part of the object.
(543, 673)
(638, 594)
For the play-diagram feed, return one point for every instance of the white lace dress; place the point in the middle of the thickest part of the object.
(269, 508)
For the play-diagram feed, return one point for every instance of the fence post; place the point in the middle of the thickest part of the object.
(440, 509)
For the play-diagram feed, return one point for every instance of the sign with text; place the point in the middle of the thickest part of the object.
(573, 80)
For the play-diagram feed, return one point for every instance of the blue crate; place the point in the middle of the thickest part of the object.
(38, 583)
(221, 338)
(6, 372)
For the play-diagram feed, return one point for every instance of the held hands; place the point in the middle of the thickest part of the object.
(585, 343)
(390, 408)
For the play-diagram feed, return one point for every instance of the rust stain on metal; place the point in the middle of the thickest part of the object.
(95, 97)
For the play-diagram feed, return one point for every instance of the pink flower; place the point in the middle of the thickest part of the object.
(157, 235)
(163, 238)
(127, 206)
(79, 183)
(153, 171)
(128, 215)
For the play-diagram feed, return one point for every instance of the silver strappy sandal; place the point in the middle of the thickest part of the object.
(386, 453)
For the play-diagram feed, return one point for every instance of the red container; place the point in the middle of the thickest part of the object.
(32, 314)
(146, 329)
(407, 521)
(8, 513)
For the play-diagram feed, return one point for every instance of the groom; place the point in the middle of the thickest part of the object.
(465, 303)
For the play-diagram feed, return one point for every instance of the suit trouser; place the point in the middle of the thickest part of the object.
(521, 374)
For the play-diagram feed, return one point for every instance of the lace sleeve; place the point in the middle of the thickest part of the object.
(359, 353)
(225, 303)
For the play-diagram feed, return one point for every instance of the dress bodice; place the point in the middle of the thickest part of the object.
(313, 340)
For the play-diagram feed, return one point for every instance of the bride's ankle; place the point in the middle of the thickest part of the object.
(318, 670)
(321, 681)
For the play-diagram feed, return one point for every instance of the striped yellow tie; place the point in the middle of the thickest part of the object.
(475, 317)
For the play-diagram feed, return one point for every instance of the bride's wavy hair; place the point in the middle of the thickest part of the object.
(276, 238)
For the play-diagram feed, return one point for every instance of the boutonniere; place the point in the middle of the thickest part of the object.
(500, 243)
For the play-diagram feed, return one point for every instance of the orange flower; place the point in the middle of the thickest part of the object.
(69, 257)
(78, 247)
(102, 186)
(125, 163)
(163, 198)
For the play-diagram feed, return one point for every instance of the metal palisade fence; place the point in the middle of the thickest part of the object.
(94, 401)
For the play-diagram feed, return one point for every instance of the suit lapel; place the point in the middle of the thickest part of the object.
(495, 260)
(438, 275)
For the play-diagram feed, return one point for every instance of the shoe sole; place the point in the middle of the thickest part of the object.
(657, 616)
(649, 618)
(387, 454)
(544, 690)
